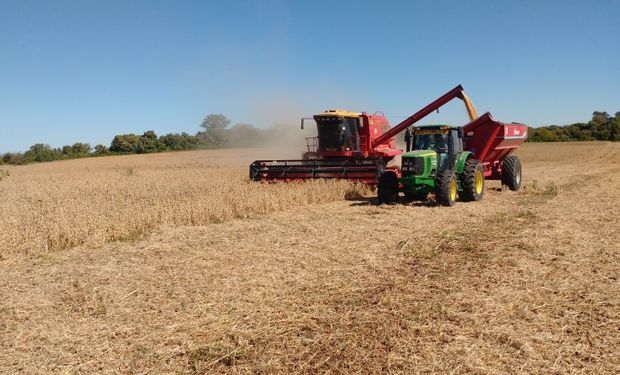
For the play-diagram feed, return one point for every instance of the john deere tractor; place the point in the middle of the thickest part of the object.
(435, 162)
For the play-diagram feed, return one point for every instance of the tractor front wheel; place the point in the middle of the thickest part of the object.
(472, 181)
(387, 190)
(446, 188)
(511, 172)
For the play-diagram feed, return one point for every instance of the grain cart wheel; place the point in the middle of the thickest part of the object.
(511, 172)
(387, 191)
(445, 188)
(472, 181)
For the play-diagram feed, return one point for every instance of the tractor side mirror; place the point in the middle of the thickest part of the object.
(408, 139)
(461, 132)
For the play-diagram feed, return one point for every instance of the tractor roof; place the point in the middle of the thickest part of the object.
(436, 126)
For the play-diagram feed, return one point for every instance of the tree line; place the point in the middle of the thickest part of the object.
(215, 133)
(602, 127)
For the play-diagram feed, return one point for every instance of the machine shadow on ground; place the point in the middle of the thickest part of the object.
(373, 201)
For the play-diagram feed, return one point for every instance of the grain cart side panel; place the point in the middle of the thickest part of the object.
(491, 141)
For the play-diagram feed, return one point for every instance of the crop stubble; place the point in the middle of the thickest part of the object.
(520, 282)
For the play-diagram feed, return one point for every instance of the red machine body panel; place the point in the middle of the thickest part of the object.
(372, 127)
(491, 141)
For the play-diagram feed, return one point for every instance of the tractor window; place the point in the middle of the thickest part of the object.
(432, 140)
(438, 140)
(456, 142)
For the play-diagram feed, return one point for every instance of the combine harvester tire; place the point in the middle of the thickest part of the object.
(387, 189)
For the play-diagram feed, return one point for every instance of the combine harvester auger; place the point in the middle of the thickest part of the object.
(352, 146)
(444, 160)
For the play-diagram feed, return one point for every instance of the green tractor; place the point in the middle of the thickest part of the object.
(435, 162)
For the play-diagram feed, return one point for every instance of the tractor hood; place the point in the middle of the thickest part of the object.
(420, 153)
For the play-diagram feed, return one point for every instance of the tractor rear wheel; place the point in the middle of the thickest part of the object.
(387, 190)
(511, 172)
(446, 188)
(472, 181)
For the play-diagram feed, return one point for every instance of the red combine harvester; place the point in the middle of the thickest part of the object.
(358, 146)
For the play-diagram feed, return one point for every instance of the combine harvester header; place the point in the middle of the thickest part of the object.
(359, 146)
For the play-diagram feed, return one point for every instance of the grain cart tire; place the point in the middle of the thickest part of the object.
(387, 190)
(472, 181)
(446, 188)
(416, 197)
(511, 172)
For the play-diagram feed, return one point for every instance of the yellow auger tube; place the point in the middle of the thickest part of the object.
(471, 110)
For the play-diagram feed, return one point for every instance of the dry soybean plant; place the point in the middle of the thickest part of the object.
(54, 206)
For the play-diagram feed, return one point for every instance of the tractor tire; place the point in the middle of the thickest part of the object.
(472, 181)
(446, 188)
(387, 189)
(416, 197)
(511, 172)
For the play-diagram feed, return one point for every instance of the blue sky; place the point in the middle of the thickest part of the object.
(86, 70)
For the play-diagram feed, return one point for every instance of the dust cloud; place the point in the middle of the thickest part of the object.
(280, 120)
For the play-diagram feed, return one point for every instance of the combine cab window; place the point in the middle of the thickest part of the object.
(338, 133)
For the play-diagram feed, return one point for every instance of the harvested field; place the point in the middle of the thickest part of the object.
(523, 282)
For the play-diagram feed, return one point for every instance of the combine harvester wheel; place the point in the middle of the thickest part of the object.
(388, 188)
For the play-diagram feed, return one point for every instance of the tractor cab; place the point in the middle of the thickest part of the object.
(444, 140)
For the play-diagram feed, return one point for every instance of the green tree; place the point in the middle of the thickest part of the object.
(614, 131)
(101, 150)
(14, 158)
(67, 151)
(81, 149)
(40, 152)
(215, 130)
(126, 143)
(150, 143)
(177, 142)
